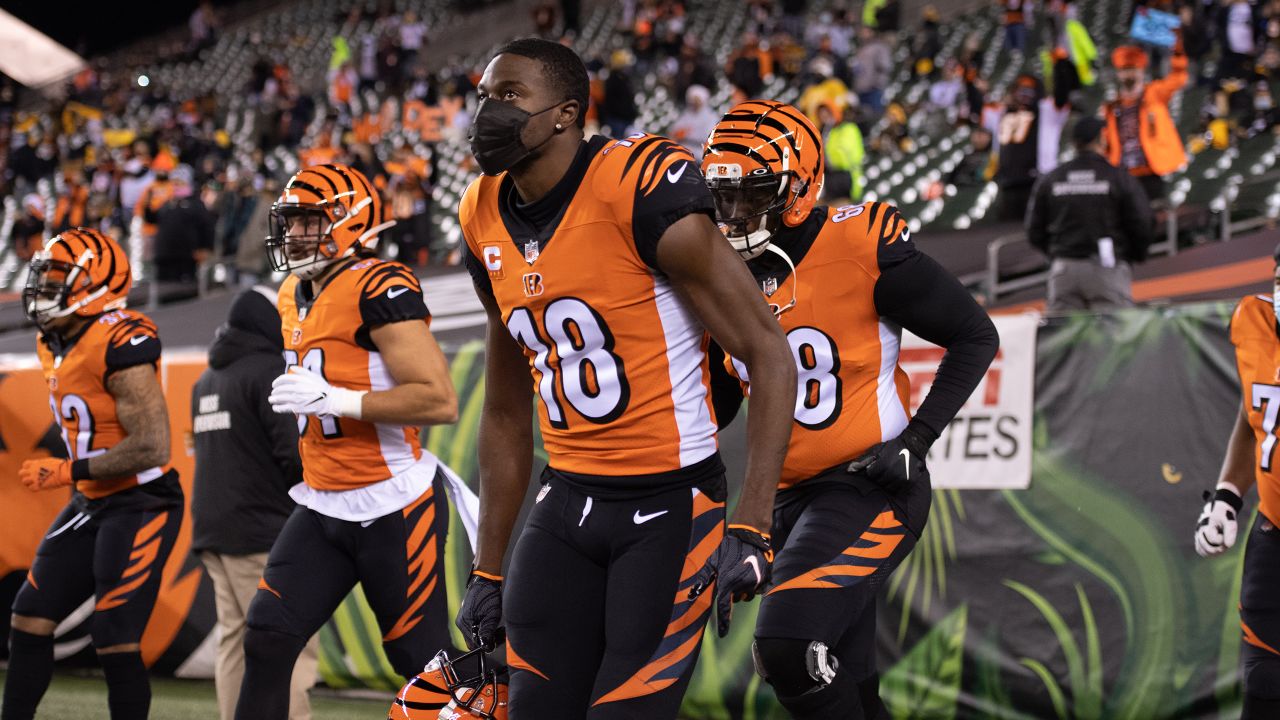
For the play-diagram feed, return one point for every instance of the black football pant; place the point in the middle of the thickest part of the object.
(398, 559)
(839, 537)
(599, 624)
(1260, 622)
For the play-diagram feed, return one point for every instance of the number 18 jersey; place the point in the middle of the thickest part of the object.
(618, 362)
(1253, 332)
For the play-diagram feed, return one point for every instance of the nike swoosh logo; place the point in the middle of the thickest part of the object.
(394, 293)
(137, 340)
(673, 175)
(754, 562)
(906, 462)
(642, 519)
(367, 523)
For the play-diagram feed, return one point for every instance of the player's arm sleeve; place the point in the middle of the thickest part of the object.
(668, 186)
(917, 293)
(132, 342)
(726, 390)
(391, 294)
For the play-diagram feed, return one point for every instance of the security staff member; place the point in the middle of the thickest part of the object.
(1093, 219)
(246, 461)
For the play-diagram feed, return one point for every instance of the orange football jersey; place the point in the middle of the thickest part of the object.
(77, 371)
(852, 393)
(1253, 332)
(329, 334)
(618, 361)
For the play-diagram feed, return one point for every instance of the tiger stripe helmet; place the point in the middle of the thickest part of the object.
(444, 691)
(324, 213)
(78, 272)
(763, 164)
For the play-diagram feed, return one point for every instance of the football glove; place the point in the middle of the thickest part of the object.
(895, 465)
(739, 567)
(480, 617)
(1216, 529)
(303, 392)
(45, 473)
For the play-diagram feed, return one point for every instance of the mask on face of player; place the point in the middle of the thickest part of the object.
(496, 133)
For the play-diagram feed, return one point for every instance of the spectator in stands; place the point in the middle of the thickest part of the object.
(203, 25)
(693, 68)
(251, 248)
(136, 176)
(1019, 147)
(1239, 40)
(246, 459)
(343, 82)
(409, 190)
(618, 111)
(927, 43)
(1094, 221)
(69, 210)
(824, 89)
(697, 120)
(1140, 134)
(184, 234)
(748, 67)
(840, 68)
(413, 33)
(872, 65)
(153, 197)
(978, 165)
(28, 233)
(1015, 24)
(947, 94)
(845, 155)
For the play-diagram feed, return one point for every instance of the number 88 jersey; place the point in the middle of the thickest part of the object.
(1253, 332)
(617, 361)
(851, 391)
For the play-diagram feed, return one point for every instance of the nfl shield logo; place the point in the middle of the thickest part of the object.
(769, 286)
(531, 251)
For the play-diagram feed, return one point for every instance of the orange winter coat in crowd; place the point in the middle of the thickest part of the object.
(1161, 143)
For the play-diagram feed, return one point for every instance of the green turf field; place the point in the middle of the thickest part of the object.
(85, 698)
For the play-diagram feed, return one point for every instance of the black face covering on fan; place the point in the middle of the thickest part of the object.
(495, 135)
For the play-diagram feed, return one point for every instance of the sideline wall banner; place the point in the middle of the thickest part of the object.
(988, 445)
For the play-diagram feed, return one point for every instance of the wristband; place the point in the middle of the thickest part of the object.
(1226, 493)
(80, 469)
(487, 576)
(347, 403)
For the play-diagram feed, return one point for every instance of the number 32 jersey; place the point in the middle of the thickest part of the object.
(1253, 332)
(77, 373)
(852, 393)
(618, 362)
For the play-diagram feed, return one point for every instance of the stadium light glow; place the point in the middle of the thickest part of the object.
(143, 81)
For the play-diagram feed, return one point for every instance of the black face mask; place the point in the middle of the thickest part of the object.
(495, 136)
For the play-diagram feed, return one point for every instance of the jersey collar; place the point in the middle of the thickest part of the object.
(521, 230)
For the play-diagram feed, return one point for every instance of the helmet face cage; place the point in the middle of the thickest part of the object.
(300, 241)
(49, 283)
(763, 196)
(469, 693)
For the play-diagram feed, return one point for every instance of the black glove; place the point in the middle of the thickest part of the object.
(739, 566)
(895, 465)
(480, 617)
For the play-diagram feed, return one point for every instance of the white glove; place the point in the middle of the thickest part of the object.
(302, 392)
(1216, 529)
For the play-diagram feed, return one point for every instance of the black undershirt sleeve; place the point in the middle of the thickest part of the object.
(726, 390)
(921, 296)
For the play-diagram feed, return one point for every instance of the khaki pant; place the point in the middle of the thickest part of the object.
(235, 581)
(1077, 284)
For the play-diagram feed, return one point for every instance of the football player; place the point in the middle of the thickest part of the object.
(101, 363)
(1251, 460)
(364, 373)
(855, 489)
(599, 266)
